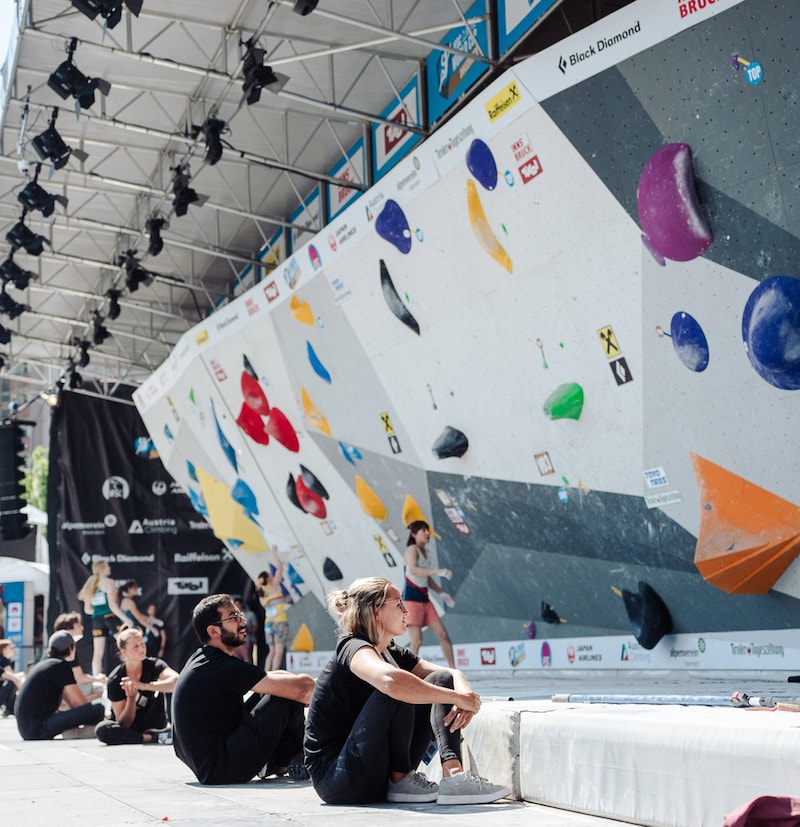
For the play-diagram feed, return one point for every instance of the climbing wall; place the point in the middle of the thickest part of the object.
(564, 332)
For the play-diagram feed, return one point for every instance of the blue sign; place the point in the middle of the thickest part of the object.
(515, 18)
(449, 74)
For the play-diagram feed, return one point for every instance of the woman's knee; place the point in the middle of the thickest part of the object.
(440, 677)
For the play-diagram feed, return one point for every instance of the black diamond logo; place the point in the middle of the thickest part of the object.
(562, 65)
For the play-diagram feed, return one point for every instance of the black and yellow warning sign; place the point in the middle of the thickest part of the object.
(379, 542)
(609, 341)
(387, 423)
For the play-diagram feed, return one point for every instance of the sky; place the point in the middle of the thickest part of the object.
(6, 16)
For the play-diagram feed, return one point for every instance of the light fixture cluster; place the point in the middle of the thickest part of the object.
(68, 81)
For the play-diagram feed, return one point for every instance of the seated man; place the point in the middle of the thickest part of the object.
(91, 685)
(222, 739)
(10, 681)
(136, 690)
(48, 683)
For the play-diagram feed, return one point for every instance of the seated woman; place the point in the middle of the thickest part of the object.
(376, 707)
(136, 690)
(10, 681)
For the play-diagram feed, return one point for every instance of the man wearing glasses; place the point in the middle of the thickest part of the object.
(220, 736)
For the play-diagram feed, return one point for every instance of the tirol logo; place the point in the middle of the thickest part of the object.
(392, 135)
(571, 653)
(530, 169)
(547, 655)
(116, 488)
(488, 656)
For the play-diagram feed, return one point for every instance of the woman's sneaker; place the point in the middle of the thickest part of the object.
(468, 788)
(413, 789)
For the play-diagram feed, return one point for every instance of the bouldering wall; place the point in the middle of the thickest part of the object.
(565, 331)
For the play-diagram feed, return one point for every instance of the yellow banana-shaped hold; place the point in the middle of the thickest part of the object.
(313, 414)
(481, 229)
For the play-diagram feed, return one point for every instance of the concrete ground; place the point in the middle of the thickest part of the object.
(79, 782)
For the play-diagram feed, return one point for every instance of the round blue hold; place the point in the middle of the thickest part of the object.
(481, 164)
(771, 331)
(689, 341)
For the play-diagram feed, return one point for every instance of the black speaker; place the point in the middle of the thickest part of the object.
(13, 523)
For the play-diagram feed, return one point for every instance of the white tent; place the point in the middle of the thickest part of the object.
(13, 570)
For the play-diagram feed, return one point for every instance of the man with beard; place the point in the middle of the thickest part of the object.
(221, 737)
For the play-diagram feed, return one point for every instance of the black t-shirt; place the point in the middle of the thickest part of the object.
(4, 661)
(339, 697)
(151, 710)
(208, 705)
(40, 695)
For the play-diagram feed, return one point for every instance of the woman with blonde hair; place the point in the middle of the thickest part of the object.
(136, 690)
(99, 597)
(376, 706)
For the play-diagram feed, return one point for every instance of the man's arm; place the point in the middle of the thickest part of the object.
(285, 684)
(73, 696)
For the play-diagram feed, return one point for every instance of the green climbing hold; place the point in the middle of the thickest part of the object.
(565, 402)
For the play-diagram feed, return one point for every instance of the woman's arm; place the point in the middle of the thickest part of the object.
(108, 586)
(165, 682)
(368, 665)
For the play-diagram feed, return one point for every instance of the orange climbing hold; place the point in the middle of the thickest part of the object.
(748, 536)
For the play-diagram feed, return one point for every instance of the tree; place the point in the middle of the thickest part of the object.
(35, 479)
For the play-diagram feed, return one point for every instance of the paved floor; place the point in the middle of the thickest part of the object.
(80, 782)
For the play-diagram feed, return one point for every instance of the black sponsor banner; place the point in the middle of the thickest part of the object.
(110, 497)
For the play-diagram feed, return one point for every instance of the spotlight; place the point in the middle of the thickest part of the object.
(75, 380)
(113, 303)
(305, 7)
(135, 274)
(212, 130)
(183, 193)
(109, 10)
(5, 335)
(50, 146)
(11, 271)
(34, 197)
(99, 331)
(67, 80)
(154, 225)
(257, 76)
(21, 235)
(9, 307)
(83, 355)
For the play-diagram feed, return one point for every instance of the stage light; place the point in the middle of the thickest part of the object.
(305, 7)
(67, 80)
(22, 236)
(10, 271)
(75, 380)
(9, 307)
(154, 225)
(257, 76)
(113, 303)
(5, 335)
(212, 131)
(109, 10)
(135, 274)
(99, 331)
(34, 197)
(182, 192)
(83, 352)
(50, 146)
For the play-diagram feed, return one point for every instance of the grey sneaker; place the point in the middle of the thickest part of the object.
(413, 789)
(468, 788)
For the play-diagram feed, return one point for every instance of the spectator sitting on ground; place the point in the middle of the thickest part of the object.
(222, 739)
(136, 690)
(48, 682)
(91, 685)
(10, 681)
